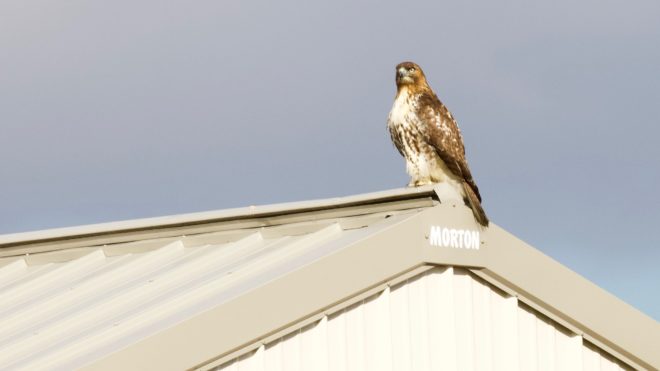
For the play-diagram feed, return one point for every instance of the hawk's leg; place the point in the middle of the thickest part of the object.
(419, 182)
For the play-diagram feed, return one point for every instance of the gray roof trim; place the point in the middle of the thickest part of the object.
(213, 221)
(377, 260)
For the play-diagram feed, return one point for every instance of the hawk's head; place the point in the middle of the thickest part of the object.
(409, 74)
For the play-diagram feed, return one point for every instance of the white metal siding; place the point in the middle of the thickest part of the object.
(444, 319)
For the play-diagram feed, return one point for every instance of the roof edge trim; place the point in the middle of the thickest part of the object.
(134, 228)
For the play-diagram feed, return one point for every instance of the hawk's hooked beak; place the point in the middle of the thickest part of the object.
(402, 75)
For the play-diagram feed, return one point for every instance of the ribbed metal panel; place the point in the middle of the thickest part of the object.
(64, 315)
(444, 319)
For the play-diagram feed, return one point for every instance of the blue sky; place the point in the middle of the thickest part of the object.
(120, 110)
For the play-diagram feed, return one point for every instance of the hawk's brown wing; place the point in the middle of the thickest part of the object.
(396, 139)
(443, 134)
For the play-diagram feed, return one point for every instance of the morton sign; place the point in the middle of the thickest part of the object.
(454, 238)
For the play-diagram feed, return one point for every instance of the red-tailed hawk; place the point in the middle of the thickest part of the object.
(427, 136)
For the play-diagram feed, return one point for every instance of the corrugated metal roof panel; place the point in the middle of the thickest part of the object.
(444, 319)
(64, 315)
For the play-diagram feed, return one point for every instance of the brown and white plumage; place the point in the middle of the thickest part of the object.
(427, 136)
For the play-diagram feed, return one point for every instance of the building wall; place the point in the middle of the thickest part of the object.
(444, 319)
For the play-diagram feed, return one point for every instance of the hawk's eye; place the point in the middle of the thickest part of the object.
(411, 69)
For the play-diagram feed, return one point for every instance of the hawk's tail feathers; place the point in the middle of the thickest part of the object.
(473, 203)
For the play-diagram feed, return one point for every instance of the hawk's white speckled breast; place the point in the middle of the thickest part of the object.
(410, 136)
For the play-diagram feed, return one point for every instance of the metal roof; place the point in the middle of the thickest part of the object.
(194, 290)
(69, 313)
